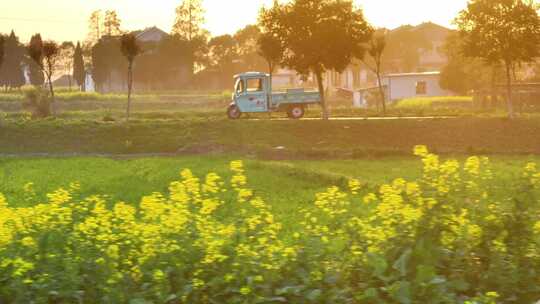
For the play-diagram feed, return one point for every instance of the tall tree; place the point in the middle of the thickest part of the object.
(223, 52)
(189, 20)
(11, 72)
(111, 23)
(107, 62)
(188, 26)
(79, 73)
(317, 36)
(403, 48)
(461, 74)
(248, 50)
(1, 50)
(270, 48)
(65, 60)
(375, 50)
(46, 56)
(505, 31)
(94, 27)
(35, 72)
(130, 50)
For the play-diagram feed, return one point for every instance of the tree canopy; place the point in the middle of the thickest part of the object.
(501, 31)
(79, 73)
(317, 35)
(11, 72)
(189, 20)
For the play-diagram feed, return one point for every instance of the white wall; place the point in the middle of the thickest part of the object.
(405, 86)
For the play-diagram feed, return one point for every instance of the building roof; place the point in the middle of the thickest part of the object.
(251, 74)
(434, 73)
(151, 34)
(433, 31)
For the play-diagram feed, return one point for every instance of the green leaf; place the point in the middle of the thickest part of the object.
(138, 301)
(314, 295)
(378, 263)
(401, 263)
(401, 292)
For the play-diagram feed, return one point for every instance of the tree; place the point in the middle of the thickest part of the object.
(188, 26)
(403, 48)
(189, 20)
(130, 50)
(317, 36)
(376, 47)
(107, 59)
(79, 73)
(11, 72)
(35, 72)
(501, 31)
(111, 23)
(223, 51)
(94, 27)
(270, 48)
(45, 55)
(65, 59)
(1, 50)
(248, 49)
(462, 74)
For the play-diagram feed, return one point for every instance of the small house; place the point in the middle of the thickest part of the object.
(410, 85)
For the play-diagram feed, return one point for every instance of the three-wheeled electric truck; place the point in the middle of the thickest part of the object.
(253, 94)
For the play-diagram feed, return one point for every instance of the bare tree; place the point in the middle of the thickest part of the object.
(375, 49)
(65, 60)
(130, 50)
(45, 55)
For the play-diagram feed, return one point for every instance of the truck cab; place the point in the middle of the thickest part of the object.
(253, 94)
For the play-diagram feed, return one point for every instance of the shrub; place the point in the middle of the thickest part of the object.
(453, 236)
(37, 100)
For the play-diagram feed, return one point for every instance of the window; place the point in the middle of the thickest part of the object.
(421, 88)
(239, 86)
(255, 85)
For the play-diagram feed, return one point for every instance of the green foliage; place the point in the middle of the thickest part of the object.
(79, 73)
(317, 35)
(455, 234)
(463, 74)
(501, 32)
(38, 101)
(270, 48)
(11, 73)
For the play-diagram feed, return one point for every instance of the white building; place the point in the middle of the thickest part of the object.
(408, 85)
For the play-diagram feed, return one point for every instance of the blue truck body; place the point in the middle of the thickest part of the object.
(253, 94)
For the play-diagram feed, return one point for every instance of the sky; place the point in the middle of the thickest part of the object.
(66, 20)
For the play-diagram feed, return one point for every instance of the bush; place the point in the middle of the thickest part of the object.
(37, 101)
(453, 236)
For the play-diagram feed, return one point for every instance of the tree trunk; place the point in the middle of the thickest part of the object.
(509, 90)
(381, 92)
(51, 90)
(320, 84)
(130, 83)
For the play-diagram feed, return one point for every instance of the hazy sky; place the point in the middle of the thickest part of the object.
(67, 19)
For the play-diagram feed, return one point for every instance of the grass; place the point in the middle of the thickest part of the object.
(66, 95)
(210, 132)
(435, 102)
(286, 185)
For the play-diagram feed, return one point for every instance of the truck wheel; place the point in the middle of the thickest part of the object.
(233, 112)
(295, 112)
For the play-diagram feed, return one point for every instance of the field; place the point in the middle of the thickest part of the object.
(94, 209)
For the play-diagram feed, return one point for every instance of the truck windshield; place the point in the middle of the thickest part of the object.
(239, 86)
